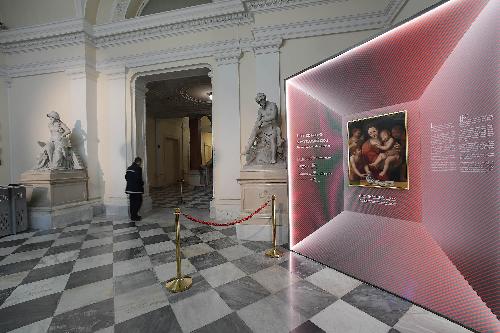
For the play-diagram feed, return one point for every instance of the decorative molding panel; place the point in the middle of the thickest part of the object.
(364, 21)
(259, 6)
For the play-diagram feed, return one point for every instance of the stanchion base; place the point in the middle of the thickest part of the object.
(274, 253)
(177, 285)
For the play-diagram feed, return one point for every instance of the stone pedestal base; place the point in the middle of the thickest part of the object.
(258, 184)
(59, 216)
(56, 197)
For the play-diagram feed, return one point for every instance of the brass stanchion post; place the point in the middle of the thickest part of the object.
(274, 252)
(178, 283)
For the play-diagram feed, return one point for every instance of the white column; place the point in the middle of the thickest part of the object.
(139, 91)
(267, 68)
(83, 99)
(226, 135)
(115, 142)
(6, 160)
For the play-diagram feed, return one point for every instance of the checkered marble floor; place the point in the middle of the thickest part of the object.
(108, 275)
(193, 197)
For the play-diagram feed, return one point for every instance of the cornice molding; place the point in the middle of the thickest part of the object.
(167, 18)
(364, 21)
(259, 6)
(47, 67)
(82, 72)
(173, 29)
(266, 46)
(217, 14)
(220, 49)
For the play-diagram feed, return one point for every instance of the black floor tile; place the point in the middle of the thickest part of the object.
(126, 237)
(99, 235)
(155, 239)
(90, 318)
(11, 243)
(91, 275)
(23, 314)
(49, 272)
(307, 327)
(377, 303)
(125, 283)
(17, 267)
(5, 293)
(306, 298)
(148, 226)
(222, 243)
(229, 324)
(258, 246)
(123, 225)
(242, 292)
(128, 254)
(73, 233)
(164, 257)
(302, 266)
(34, 246)
(207, 260)
(157, 321)
(95, 251)
(203, 229)
(48, 232)
(190, 241)
(63, 248)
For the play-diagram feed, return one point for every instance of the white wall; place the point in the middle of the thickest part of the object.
(31, 98)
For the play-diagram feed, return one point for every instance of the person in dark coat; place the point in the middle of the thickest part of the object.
(135, 188)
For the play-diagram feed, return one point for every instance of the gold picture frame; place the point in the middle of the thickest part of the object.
(377, 149)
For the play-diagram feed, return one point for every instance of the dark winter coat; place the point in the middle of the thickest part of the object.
(135, 184)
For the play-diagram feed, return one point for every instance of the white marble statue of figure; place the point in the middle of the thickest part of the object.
(265, 145)
(56, 152)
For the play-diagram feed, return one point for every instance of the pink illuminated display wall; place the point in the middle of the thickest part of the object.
(435, 243)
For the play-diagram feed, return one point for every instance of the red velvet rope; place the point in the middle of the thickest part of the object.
(194, 219)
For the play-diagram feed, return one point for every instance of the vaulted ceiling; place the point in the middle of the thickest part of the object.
(179, 97)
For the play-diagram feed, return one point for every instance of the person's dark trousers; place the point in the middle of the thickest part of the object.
(135, 205)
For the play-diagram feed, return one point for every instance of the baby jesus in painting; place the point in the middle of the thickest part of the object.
(392, 155)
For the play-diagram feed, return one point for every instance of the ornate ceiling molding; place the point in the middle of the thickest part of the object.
(167, 30)
(217, 14)
(259, 6)
(265, 46)
(221, 49)
(364, 21)
(46, 36)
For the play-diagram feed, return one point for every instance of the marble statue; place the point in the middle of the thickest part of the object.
(265, 145)
(57, 153)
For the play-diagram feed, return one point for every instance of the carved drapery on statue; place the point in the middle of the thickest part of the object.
(56, 152)
(265, 145)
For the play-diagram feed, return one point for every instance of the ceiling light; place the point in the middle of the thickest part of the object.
(209, 95)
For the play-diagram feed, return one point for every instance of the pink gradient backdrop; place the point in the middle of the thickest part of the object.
(438, 247)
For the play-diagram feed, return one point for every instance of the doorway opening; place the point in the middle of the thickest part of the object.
(178, 140)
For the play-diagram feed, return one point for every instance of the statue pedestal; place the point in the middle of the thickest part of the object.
(56, 198)
(258, 184)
